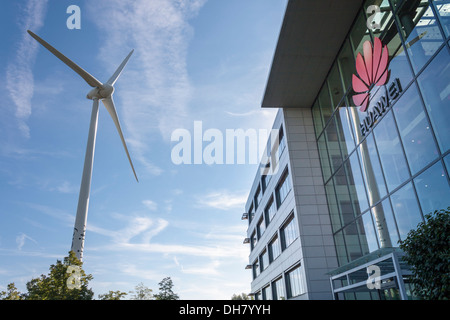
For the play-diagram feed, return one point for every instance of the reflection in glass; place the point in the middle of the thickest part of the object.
(359, 34)
(356, 184)
(443, 10)
(433, 189)
(333, 206)
(385, 225)
(335, 86)
(325, 163)
(373, 176)
(346, 63)
(415, 130)
(318, 126)
(406, 210)
(434, 83)
(344, 131)
(419, 30)
(326, 108)
(356, 240)
(343, 196)
(341, 250)
(391, 153)
(369, 231)
(333, 145)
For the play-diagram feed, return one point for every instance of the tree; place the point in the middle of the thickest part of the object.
(242, 296)
(427, 252)
(165, 290)
(11, 293)
(142, 293)
(112, 295)
(66, 281)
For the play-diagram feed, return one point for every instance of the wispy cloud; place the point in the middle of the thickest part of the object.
(21, 238)
(155, 88)
(223, 200)
(19, 75)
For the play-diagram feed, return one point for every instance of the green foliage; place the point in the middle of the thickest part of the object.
(142, 293)
(112, 295)
(427, 252)
(165, 290)
(241, 296)
(54, 286)
(11, 293)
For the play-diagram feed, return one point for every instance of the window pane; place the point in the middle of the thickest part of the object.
(346, 62)
(325, 163)
(344, 131)
(385, 225)
(443, 10)
(266, 293)
(295, 281)
(278, 289)
(256, 270)
(270, 211)
(433, 189)
(274, 249)
(415, 130)
(289, 232)
(341, 249)
(318, 125)
(264, 260)
(359, 34)
(406, 210)
(353, 236)
(333, 206)
(391, 153)
(261, 227)
(326, 108)
(356, 184)
(253, 240)
(335, 86)
(373, 176)
(334, 151)
(343, 197)
(434, 83)
(419, 30)
(370, 238)
(283, 188)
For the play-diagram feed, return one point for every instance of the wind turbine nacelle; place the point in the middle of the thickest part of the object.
(105, 91)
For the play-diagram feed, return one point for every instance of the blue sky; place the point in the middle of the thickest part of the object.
(197, 60)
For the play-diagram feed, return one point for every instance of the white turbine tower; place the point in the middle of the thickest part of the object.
(101, 91)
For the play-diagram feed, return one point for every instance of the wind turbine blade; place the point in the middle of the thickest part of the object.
(116, 74)
(109, 104)
(85, 75)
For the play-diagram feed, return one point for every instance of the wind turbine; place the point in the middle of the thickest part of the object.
(100, 91)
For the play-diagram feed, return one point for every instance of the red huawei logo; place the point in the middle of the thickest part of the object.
(372, 71)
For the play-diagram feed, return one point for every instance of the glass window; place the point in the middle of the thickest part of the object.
(420, 31)
(335, 86)
(274, 248)
(333, 206)
(283, 188)
(251, 214)
(256, 270)
(325, 163)
(261, 227)
(443, 11)
(346, 61)
(270, 211)
(258, 197)
(355, 239)
(415, 130)
(433, 189)
(343, 197)
(341, 248)
(289, 232)
(368, 230)
(278, 289)
(334, 151)
(344, 131)
(267, 293)
(326, 109)
(391, 153)
(373, 176)
(318, 125)
(434, 83)
(385, 225)
(264, 260)
(406, 210)
(281, 142)
(258, 295)
(356, 184)
(295, 282)
(359, 34)
(253, 240)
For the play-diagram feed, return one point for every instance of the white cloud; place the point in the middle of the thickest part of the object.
(151, 205)
(20, 240)
(223, 200)
(154, 90)
(19, 76)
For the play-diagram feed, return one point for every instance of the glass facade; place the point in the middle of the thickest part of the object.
(384, 170)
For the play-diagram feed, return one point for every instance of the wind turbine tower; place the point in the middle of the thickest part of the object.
(103, 92)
